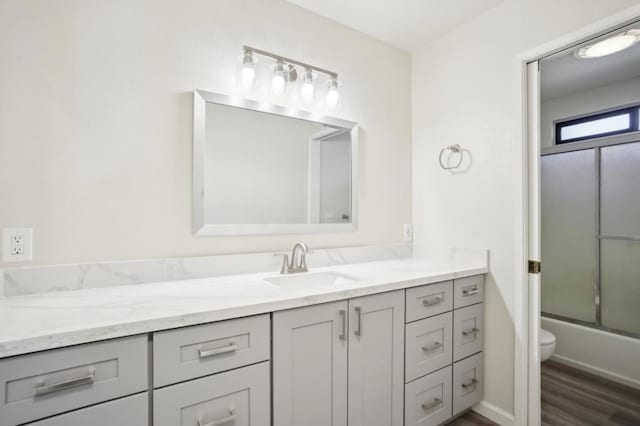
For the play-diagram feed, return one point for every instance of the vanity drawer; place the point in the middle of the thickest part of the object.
(240, 398)
(467, 291)
(468, 333)
(428, 345)
(429, 300)
(197, 351)
(51, 382)
(467, 383)
(428, 400)
(130, 411)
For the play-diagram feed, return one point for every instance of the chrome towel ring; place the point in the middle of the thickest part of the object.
(456, 149)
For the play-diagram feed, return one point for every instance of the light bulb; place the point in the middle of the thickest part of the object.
(333, 95)
(278, 82)
(306, 91)
(248, 72)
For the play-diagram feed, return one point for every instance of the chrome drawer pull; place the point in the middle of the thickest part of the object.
(231, 417)
(431, 405)
(436, 345)
(358, 330)
(473, 382)
(470, 291)
(43, 389)
(206, 353)
(432, 302)
(343, 332)
(470, 331)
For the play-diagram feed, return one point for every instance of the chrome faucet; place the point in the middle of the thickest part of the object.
(298, 259)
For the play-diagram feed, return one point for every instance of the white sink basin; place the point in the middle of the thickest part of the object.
(312, 279)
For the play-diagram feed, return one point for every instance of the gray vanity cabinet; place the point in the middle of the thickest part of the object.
(312, 348)
(376, 359)
(310, 366)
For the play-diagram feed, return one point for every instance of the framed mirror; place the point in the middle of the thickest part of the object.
(266, 169)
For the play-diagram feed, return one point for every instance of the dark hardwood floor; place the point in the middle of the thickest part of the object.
(572, 397)
(471, 419)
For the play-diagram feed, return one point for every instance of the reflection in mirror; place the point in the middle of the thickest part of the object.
(268, 170)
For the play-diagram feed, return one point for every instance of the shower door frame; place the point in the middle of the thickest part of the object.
(596, 144)
(527, 409)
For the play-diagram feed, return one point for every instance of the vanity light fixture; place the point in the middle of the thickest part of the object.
(611, 45)
(285, 71)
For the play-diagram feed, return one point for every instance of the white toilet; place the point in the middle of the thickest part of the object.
(547, 344)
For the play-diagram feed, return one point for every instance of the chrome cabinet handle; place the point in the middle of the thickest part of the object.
(470, 291)
(432, 302)
(231, 417)
(436, 345)
(473, 382)
(470, 331)
(43, 389)
(431, 405)
(358, 330)
(343, 317)
(206, 353)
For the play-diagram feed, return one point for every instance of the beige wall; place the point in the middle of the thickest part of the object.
(464, 91)
(95, 120)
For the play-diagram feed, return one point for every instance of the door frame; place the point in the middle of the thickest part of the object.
(526, 155)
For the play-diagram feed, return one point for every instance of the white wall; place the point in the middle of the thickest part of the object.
(464, 91)
(96, 117)
(597, 99)
(608, 355)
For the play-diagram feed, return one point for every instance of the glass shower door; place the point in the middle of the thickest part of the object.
(569, 216)
(620, 237)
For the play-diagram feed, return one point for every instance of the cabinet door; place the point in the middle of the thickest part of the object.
(310, 366)
(376, 360)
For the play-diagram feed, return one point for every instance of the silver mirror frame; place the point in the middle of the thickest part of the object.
(202, 229)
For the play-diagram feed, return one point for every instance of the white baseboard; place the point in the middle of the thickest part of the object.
(494, 413)
(597, 371)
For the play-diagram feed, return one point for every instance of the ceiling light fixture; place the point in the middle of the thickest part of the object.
(286, 70)
(611, 45)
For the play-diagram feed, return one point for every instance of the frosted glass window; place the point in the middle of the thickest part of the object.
(596, 127)
(569, 229)
(620, 286)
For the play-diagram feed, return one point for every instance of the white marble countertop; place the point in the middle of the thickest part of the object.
(50, 320)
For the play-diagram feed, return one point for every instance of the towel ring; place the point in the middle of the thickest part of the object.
(455, 149)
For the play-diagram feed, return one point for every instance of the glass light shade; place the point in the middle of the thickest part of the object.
(333, 95)
(247, 74)
(277, 84)
(610, 45)
(307, 89)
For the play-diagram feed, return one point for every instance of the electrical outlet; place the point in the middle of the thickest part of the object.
(17, 245)
(407, 232)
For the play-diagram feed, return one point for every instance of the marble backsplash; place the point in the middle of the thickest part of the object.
(40, 279)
